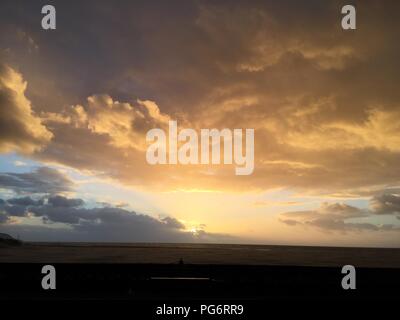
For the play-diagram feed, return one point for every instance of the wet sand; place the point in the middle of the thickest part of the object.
(200, 254)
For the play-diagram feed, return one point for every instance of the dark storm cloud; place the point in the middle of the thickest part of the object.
(19, 207)
(60, 201)
(41, 180)
(95, 224)
(111, 233)
(25, 201)
(15, 210)
(88, 218)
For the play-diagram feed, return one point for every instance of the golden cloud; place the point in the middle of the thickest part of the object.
(20, 128)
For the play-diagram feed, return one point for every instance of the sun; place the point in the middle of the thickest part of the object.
(194, 231)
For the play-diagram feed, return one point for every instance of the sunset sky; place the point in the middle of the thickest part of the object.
(76, 104)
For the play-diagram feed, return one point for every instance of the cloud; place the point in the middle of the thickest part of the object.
(15, 210)
(262, 38)
(173, 223)
(335, 217)
(270, 203)
(20, 129)
(124, 123)
(3, 217)
(379, 131)
(324, 104)
(24, 201)
(109, 224)
(41, 180)
(60, 201)
(386, 204)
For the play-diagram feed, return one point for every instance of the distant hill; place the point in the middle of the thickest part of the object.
(6, 239)
(5, 236)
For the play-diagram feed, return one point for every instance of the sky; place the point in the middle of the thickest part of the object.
(76, 104)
